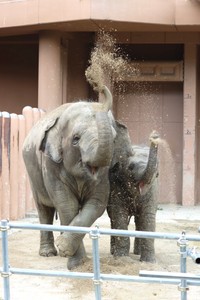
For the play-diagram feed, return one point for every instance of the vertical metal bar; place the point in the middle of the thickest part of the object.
(5, 274)
(182, 242)
(94, 235)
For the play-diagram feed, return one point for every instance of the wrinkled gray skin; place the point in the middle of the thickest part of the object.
(67, 156)
(133, 192)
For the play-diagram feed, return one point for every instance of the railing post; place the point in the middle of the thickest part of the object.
(14, 175)
(94, 235)
(5, 274)
(182, 243)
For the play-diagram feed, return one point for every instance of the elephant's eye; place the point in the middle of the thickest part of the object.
(75, 140)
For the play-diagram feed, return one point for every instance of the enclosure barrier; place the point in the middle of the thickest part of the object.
(15, 194)
(182, 279)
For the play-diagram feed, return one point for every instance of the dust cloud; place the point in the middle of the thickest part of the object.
(167, 169)
(107, 65)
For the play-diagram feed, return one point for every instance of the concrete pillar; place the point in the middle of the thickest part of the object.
(50, 72)
(189, 126)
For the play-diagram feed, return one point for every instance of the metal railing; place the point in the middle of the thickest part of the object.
(182, 279)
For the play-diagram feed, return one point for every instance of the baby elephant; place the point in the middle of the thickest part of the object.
(133, 192)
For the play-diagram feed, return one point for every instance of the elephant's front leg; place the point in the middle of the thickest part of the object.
(78, 258)
(69, 242)
(145, 247)
(120, 245)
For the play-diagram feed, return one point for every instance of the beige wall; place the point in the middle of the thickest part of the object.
(148, 106)
(197, 148)
(189, 133)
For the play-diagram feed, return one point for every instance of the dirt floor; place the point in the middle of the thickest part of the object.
(23, 253)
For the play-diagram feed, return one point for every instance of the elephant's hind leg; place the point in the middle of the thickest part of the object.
(46, 215)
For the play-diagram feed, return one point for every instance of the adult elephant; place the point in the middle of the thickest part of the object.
(133, 192)
(67, 156)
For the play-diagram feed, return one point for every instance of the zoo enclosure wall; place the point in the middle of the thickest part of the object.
(15, 194)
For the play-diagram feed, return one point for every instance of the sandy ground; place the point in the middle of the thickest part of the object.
(23, 253)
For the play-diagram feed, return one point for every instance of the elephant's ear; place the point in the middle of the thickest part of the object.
(51, 142)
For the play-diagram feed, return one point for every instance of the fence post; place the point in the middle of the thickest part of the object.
(6, 271)
(1, 183)
(94, 235)
(22, 171)
(182, 243)
(14, 178)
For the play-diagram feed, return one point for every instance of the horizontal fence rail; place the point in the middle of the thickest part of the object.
(15, 194)
(182, 279)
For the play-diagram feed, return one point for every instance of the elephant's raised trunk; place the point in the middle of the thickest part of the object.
(151, 168)
(107, 105)
(103, 155)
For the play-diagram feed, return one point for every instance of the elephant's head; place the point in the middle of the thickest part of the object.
(143, 165)
(134, 168)
(81, 136)
(119, 172)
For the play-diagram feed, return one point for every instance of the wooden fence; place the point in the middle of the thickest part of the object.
(15, 195)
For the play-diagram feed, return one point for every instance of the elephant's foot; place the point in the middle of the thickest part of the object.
(74, 262)
(120, 252)
(47, 250)
(77, 259)
(65, 248)
(47, 247)
(68, 244)
(123, 260)
(147, 250)
(148, 257)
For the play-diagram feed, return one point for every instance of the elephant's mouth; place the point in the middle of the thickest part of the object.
(141, 186)
(92, 169)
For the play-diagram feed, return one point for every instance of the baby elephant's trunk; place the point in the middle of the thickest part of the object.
(152, 161)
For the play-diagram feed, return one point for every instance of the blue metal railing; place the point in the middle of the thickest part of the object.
(181, 279)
